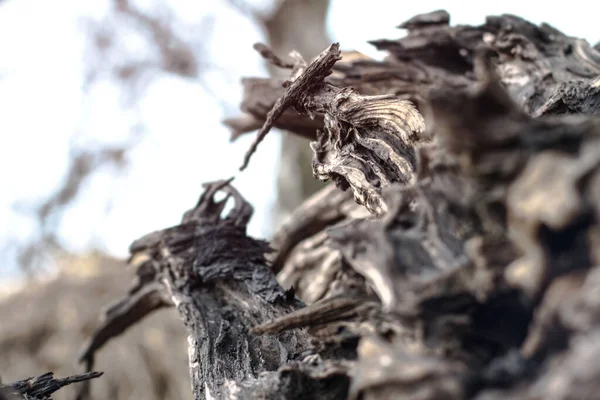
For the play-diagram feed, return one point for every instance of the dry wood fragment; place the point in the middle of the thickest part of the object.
(41, 387)
(296, 89)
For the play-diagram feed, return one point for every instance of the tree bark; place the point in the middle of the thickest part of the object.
(220, 283)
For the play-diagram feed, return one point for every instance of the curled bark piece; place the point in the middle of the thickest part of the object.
(368, 143)
(299, 87)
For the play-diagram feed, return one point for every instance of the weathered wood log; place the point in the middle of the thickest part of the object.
(461, 208)
(41, 387)
(472, 271)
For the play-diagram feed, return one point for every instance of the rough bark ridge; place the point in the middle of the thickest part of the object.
(218, 279)
(460, 262)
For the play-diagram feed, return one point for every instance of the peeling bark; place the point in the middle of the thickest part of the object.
(368, 141)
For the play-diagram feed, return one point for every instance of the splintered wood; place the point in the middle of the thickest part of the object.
(367, 142)
(455, 254)
(296, 90)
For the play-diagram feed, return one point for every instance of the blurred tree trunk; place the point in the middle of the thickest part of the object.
(296, 25)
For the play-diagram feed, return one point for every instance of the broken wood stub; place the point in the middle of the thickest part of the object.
(219, 281)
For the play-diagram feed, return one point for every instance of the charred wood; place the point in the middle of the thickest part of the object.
(219, 281)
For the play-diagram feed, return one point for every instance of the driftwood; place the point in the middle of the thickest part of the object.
(454, 256)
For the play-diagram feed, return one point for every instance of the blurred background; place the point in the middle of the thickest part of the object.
(110, 121)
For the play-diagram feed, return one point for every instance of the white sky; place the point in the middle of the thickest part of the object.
(43, 106)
